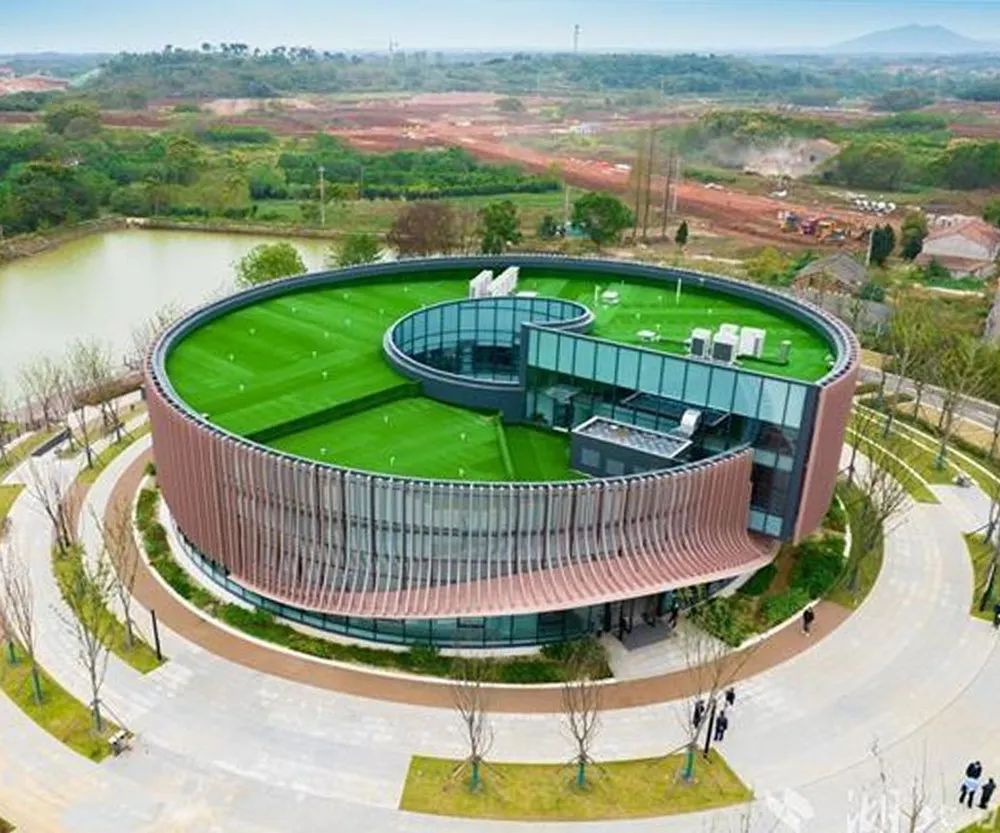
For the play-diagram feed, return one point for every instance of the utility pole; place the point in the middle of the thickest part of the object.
(666, 194)
(576, 38)
(649, 182)
(322, 195)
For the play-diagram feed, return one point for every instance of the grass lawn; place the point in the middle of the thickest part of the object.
(140, 655)
(869, 566)
(109, 453)
(537, 792)
(538, 454)
(420, 437)
(981, 554)
(18, 455)
(68, 720)
(990, 824)
(295, 355)
(915, 486)
(8, 494)
(5, 826)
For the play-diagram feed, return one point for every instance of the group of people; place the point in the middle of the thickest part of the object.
(972, 784)
(721, 724)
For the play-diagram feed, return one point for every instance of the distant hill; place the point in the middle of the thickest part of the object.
(913, 40)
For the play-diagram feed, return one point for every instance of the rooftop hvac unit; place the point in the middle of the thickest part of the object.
(689, 423)
(701, 343)
(752, 342)
(505, 283)
(724, 348)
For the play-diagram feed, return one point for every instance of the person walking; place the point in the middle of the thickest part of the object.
(808, 617)
(699, 713)
(721, 725)
(968, 792)
(987, 794)
(674, 616)
(996, 616)
(974, 769)
(730, 697)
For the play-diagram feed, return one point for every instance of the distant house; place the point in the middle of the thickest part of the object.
(965, 246)
(840, 273)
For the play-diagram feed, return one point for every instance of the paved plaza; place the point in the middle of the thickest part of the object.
(223, 747)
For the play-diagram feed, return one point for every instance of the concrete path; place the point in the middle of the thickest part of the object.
(224, 747)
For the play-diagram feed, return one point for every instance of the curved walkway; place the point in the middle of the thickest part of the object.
(224, 747)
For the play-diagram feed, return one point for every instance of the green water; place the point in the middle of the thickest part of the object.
(105, 285)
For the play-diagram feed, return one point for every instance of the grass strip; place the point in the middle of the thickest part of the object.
(60, 714)
(869, 565)
(508, 463)
(139, 655)
(108, 455)
(981, 553)
(8, 494)
(550, 665)
(24, 449)
(547, 792)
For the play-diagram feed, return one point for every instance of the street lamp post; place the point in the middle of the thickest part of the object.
(322, 195)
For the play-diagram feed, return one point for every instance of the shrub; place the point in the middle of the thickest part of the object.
(150, 470)
(776, 609)
(836, 517)
(760, 581)
(729, 619)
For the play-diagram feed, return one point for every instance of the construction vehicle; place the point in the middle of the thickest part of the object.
(789, 220)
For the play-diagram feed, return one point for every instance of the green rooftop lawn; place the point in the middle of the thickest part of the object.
(419, 437)
(295, 355)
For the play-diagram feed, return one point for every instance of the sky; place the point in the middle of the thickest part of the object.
(363, 25)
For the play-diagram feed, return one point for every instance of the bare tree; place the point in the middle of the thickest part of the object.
(87, 589)
(144, 336)
(41, 382)
(900, 810)
(94, 380)
(878, 502)
(116, 535)
(17, 602)
(424, 228)
(581, 708)
(961, 374)
(713, 667)
(8, 423)
(73, 384)
(907, 341)
(47, 489)
(471, 705)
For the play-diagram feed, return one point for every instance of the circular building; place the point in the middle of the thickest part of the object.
(485, 451)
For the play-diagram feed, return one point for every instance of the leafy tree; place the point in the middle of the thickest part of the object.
(548, 227)
(991, 211)
(182, 160)
(268, 262)
(424, 228)
(913, 230)
(510, 105)
(82, 115)
(267, 182)
(871, 164)
(357, 248)
(767, 266)
(45, 194)
(903, 98)
(499, 226)
(601, 216)
(882, 243)
(872, 291)
(681, 237)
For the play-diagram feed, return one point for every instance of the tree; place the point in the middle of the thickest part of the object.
(907, 341)
(17, 609)
(182, 160)
(359, 247)
(471, 705)
(123, 555)
(879, 497)
(82, 116)
(991, 211)
(47, 489)
(548, 228)
(267, 182)
(87, 590)
(41, 381)
(882, 243)
(767, 266)
(581, 708)
(145, 335)
(601, 216)
(424, 228)
(960, 374)
(913, 230)
(268, 262)
(681, 238)
(8, 424)
(499, 227)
